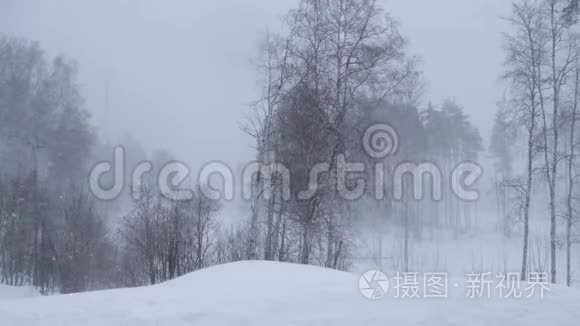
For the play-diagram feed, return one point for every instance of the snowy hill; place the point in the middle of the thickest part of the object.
(262, 293)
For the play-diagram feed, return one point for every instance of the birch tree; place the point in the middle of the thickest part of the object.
(338, 52)
(560, 57)
(524, 54)
(571, 174)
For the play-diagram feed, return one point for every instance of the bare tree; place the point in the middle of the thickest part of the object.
(524, 56)
(336, 54)
(560, 55)
(571, 176)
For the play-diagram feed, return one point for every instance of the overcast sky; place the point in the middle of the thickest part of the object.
(180, 75)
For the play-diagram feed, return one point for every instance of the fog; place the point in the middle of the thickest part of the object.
(146, 142)
(177, 72)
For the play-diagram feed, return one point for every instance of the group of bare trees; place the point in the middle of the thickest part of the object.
(51, 235)
(57, 236)
(162, 239)
(54, 234)
(335, 56)
(341, 67)
(542, 69)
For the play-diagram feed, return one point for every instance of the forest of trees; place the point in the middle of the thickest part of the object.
(340, 67)
(543, 73)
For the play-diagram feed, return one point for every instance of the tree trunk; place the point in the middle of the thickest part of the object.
(571, 181)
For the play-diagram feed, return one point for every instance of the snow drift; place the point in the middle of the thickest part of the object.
(264, 293)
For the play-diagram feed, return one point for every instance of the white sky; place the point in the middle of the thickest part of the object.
(180, 74)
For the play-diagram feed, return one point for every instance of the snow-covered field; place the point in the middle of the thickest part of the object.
(264, 293)
(16, 292)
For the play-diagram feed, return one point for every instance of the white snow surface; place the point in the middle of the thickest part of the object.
(16, 292)
(267, 293)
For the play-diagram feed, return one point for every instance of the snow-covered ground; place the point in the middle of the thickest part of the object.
(264, 293)
(16, 292)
